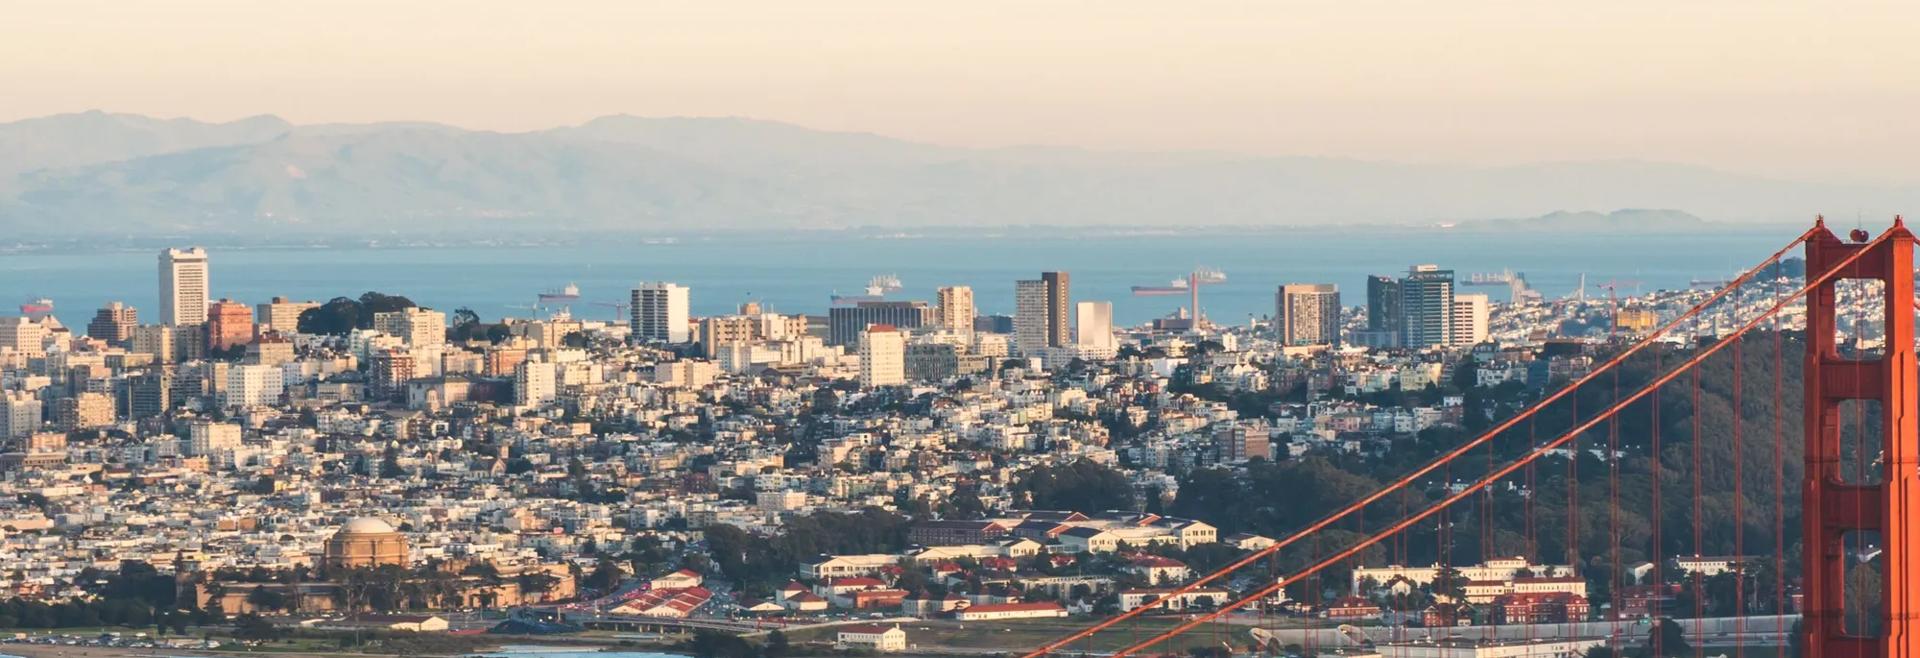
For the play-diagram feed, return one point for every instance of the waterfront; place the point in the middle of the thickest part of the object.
(796, 274)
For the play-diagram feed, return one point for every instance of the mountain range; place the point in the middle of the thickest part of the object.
(121, 174)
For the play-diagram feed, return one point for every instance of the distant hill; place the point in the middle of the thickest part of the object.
(121, 174)
(1631, 219)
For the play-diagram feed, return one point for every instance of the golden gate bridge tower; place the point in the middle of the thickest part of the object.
(1887, 506)
(1860, 495)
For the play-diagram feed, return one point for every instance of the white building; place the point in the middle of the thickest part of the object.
(20, 414)
(533, 384)
(22, 335)
(659, 313)
(1469, 318)
(955, 311)
(415, 327)
(252, 386)
(1093, 326)
(207, 438)
(183, 286)
(877, 637)
(883, 356)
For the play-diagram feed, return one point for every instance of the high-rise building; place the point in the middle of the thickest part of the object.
(416, 327)
(883, 356)
(282, 315)
(1426, 304)
(149, 394)
(1307, 314)
(229, 323)
(114, 323)
(844, 323)
(1469, 319)
(1059, 308)
(1093, 326)
(22, 335)
(1041, 313)
(388, 372)
(534, 383)
(1383, 303)
(659, 313)
(954, 309)
(183, 287)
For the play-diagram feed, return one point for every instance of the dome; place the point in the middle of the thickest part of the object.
(367, 525)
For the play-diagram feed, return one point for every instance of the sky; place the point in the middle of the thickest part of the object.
(1825, 91)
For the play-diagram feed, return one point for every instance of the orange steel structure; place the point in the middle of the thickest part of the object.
(1834, 507)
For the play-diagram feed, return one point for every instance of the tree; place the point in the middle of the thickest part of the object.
(250, 626)
(715, 644)
(341, 315)
(1669, 639)
(777, 645)
(266, 599)
(1084, 485)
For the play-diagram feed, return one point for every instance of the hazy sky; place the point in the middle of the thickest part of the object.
(1809, 89)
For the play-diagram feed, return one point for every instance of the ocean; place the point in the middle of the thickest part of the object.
(798, 273)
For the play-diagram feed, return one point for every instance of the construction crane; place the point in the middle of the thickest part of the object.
(1189, 286)
(1613, 302)
(619, 308)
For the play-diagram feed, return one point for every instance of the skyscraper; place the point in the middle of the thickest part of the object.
(114, 323)
(659, 313)
(183, 287)
(1307, 314)
(1426, 302)
(1041, 313)
(1059, 308)
(1383, 303)
(955, 309)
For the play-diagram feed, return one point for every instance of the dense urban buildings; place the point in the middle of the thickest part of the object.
(282, 315)
(1038, 466)
(114, 323)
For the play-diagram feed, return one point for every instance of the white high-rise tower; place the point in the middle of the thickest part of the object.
(183, 287)
(659, 313)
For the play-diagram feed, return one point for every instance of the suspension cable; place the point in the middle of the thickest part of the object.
(1444, 458)
(1682, 368)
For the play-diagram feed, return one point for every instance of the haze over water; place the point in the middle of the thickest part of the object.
(797, 274)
